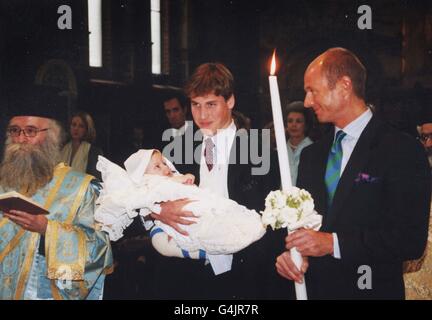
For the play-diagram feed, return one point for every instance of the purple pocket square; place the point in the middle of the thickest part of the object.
(365, 178)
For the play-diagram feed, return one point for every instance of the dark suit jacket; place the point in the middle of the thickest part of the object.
(381, 218)
(190, 279)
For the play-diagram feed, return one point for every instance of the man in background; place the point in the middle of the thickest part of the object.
(175, 107)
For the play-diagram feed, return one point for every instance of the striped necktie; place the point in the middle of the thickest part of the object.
(333, 169)
(208, 153)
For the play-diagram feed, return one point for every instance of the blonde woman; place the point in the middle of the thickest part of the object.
(79, 152)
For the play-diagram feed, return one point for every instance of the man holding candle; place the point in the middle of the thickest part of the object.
(221, 170)
(370, 182)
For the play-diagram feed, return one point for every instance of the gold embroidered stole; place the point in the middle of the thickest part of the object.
(59, 172)
(54, 268)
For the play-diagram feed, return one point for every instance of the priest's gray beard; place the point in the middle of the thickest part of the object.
(26, 168)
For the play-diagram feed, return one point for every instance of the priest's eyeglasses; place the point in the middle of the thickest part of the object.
(425, 137)
(29, 132)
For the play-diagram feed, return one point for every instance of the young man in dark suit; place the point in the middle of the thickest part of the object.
(370, 182)
(220, 162)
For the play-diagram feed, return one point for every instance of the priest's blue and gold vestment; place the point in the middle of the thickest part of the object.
(75, 257)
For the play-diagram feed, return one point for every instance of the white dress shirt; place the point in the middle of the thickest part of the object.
(353, 132)
(216, 180)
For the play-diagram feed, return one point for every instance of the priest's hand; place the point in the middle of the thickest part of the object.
(172, 214)
(30, 222)
(287, 269)
(310, 243)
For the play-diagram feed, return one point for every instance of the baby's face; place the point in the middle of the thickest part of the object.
(157, 166)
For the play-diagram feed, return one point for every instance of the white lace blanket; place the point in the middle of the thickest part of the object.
(223, 226)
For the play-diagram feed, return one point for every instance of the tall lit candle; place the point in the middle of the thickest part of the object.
(284, 166)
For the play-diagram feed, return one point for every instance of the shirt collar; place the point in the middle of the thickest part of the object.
(223, 140)
(224, 133)
(305, 141)
(356, 127)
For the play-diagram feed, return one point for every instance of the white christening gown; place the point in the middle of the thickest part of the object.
(223, 226)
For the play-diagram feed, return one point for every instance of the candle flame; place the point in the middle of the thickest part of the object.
(273, 64)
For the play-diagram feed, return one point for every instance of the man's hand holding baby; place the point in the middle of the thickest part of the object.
(172, 214)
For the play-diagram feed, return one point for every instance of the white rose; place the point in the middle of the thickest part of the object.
(305, 194)
(294, 192)
(307, 207)
(268, 219)
(280, 199)
(269, 199)
(288, 215)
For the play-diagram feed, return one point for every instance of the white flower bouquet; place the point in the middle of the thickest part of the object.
(292, 209)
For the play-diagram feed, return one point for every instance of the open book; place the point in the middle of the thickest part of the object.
(16, 201)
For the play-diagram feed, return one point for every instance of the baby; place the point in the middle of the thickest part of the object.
(223, 226)
(158, 166)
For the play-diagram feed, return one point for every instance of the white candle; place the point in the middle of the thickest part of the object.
(279, 128)
(284, 166)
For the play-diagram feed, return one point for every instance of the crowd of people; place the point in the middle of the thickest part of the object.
(370, 182)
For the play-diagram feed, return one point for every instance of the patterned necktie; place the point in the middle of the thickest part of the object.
(333, 170)
(208, 153)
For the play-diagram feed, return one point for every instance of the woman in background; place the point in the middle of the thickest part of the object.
(79, 152)
(298, 124)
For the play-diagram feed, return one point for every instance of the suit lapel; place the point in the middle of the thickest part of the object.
(186, 166)
(355, 165)
(197, 165)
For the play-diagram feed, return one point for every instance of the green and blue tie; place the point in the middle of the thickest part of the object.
(333, 169)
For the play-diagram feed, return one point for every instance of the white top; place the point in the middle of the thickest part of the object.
(80, 160)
